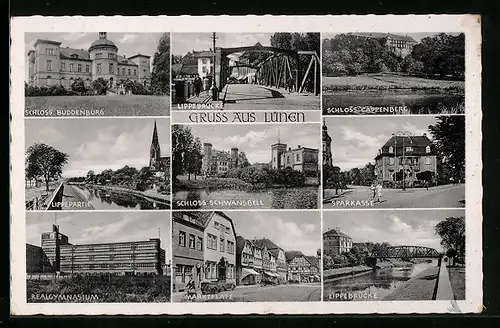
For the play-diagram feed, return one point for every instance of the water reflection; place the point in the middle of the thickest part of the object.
(102, 199)
(376, 284)
(279, 198)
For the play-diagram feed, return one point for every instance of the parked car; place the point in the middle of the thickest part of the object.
(215, 287)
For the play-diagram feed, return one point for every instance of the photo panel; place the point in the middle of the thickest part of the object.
(246, 166)
(97, 164)
(246, 256)
(394, 255)
(394, 162)
(247, 71)
(97, 74)
(98, 257)
(393, 73)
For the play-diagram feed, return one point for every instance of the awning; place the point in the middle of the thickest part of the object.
(246, 272)
(271, 274)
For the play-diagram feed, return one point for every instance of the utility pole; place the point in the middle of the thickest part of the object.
(403, 135)
(215, 92)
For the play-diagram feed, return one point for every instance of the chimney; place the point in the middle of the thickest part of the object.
(300, 147)
(289, 148)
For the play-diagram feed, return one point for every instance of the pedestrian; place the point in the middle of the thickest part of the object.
(206, 84)
(427, 185)
(373, 190)
(197, 86)
(379, 192)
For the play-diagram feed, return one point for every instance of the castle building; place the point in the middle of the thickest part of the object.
(301, 159)
(50, 64)
(123, 258)
(216, 162)
(401, 45)
(327, 147)
(409, 154)
(336, 242)
(157, 163)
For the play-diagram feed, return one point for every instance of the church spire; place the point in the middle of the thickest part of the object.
(154, 150)
(155, 134)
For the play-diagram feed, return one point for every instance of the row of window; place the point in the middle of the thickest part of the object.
(220, 226)
(212, 244)
(194, 242)
(110, 55)
(107, 265)
(71, 67)
(111, 68)
(410, 160)
(409, 148)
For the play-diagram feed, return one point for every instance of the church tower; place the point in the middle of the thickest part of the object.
(154, 151)
(277, 150)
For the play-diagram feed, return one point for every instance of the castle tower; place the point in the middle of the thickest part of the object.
(234, 157)
(327, 147)
(154, 150)
(103, 54)
(277, 150)
(206, 161)
(50, 246)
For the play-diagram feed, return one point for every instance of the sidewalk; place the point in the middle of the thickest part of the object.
(202, 99)
(444, 290)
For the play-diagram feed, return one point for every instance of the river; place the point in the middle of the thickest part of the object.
(111, 200)
(270, 198)
(373, 285)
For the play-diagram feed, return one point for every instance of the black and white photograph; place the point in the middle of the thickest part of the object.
(98, 257)
(396, 162)
(394, 255)
(246, 71)
(246, 256)
(251, 166)
(393, 73)
(97, 74)
(97, 164)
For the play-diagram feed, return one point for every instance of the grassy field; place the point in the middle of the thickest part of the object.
(385, 81)
(134, 105)
(100, 289)
(457, 280)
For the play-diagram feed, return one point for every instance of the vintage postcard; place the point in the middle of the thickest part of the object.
(246, 164)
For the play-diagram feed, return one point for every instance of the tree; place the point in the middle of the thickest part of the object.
(452, 233)
(78, 86)
(44, 161)
(160, 76)
(193, 158)
(99, 86)
(181, 141)
(90, 176)
(242, 159)
(334, 179)
(448, 136)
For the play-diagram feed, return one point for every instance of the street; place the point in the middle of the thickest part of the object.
(257, 293)
(446, 196)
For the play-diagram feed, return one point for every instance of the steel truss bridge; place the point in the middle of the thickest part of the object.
(280, 70)
(404, 252)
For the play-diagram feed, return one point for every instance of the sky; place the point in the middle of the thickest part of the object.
(356, 140)
(100, 227)
(256, 139)
(128, 44)
(182, 43)
(417, 36)
(289, 230)
(99, 144)
(397, 227)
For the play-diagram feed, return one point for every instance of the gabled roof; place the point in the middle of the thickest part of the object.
(122, 60)
(313, 260)
(240, 244)
(267, 243)
(419, 141)
(290, 255)
(335, 232)
(65, 53)
(139, 55)
(202, 53)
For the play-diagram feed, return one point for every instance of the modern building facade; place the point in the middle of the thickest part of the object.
(36, 260)
(401, 45)
(410, 155)
(336, 242)
(158, 163)
(123, 258)
(187, 248)
(302, 268)
(327, 147)
(50, 64)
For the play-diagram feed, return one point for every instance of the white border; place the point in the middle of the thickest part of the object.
(468, 24)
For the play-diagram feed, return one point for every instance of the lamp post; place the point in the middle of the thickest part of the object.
(213, 89)
(403, 135)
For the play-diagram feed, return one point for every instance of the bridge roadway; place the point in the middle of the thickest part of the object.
(256, 97)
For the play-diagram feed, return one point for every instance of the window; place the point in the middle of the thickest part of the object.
(182, 238)
(87, 68)
(427, 160)
(110, 55)
(144, 71)
(123, 71)
(211, 242)
(216, 225)
(227, 230)
(391, 160)
(98, 68)
(428, 149)
(129, 71)
(409, 149)
(49, 51)
(230, 247)
(199, 244)
(204, 61)
(111, 69)
(49, 65)
(63, 66)
(221, 245)
(74, 56)
(298, 157)
(288, 159)
(135, 72)
(191, 241)
(391, 150)
(79, 67)
(71, 67)
(98, 55)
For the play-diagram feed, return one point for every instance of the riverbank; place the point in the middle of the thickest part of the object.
(229, 184)
(339, 273)
(151, 194)
(419, 288)
(457, 280)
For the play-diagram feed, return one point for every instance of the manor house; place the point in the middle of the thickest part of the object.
(50, 64)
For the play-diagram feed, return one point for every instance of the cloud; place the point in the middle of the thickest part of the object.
(360, 139)
(50, 134)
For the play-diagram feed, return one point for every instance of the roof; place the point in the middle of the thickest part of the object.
(102, 42)
(335, 232)
(418, 143)
(386, 35)
(313, 260)
(122, 60)
(46, 41)
(139, 55)
(290, 255)
(65, 53)
(265, 242)
(200, 54)
(240, 244)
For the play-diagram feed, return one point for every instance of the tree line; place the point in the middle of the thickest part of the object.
(441, 56)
